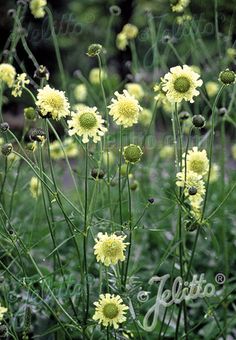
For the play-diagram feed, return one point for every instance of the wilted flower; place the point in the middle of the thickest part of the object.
(20, 82)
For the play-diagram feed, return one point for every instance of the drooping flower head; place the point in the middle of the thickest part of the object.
(125, 109)
(110, 249)
(7, 74)
(121, 41)
(52, 103)
(87, 122)
(110, 310)
(181, 84)
(130, 30)
(197, 161)
(37, 8)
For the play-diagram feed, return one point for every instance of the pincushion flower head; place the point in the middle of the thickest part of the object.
(19, 84)
(7, 74)
(125, 109)
(110, 310)
(52, 103)
(227, 77)
(87, 122)
(181, 83)
(179, 5)
(110, 249)
(197, 161)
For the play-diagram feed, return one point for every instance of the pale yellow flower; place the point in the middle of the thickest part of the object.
(125, 109)
(212, 88)
(145, 117)
(181, 84)
(131, 31)
(52, 103)
(194, 186)
(35, 187)
(179, 5)
(215, 173)
(37, 8)
(20, 82)
(94, 75)
(80, 92)
(110, 310)
(7, 74)
(135, 90)
(197, 161)
(110, 249)
(167, 152)
(121, 41)
(3, 310)
(87, 122)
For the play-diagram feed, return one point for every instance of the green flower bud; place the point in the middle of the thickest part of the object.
(198, 121)
(4, 126)
(227, 77)
(7, 149)
(29, 113)
(132, 153)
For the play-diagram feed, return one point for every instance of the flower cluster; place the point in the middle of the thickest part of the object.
(37, 8)
(7, 74)
(179, 5)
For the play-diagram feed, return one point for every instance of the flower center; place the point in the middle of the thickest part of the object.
(111, 248)
(197, 166)
(127, 108)
(110, 310)
(182, 84)
(55, 100)
(87, 120)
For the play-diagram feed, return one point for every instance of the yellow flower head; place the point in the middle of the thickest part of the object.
(52, 103)
(70, 147)
(233, 150)
(215, 173)
(194, 187)
(87, 122)
(181, 84)
(7, 74)
(212, 88)
(80, 92)
(109, 249)
(197, 161)
(135, 90)
(179, 5)
(94, 75)
(3, 310)
(125, 109)
(166, 152)
(161, 98)
(131, 31)
(121, 41)
(37, 8)
(35, 187)
(110, 310)
(145, 117)
(18, 85)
